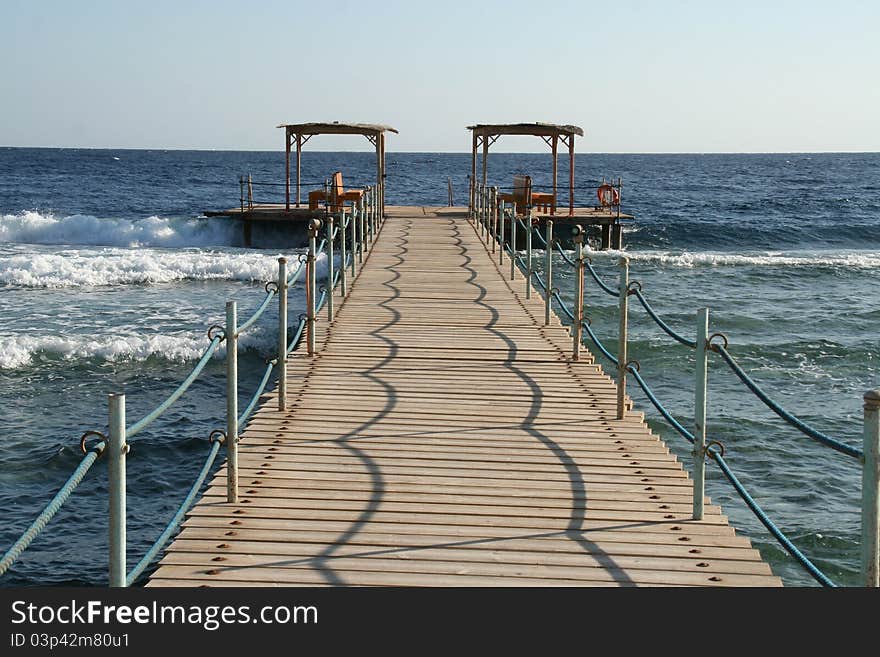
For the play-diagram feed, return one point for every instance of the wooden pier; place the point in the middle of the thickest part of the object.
(442, 436)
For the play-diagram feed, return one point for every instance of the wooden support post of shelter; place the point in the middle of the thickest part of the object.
(302, 132)
(487, 134)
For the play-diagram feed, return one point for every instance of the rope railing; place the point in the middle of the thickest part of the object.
(157, 412)
(663, 325)
(252, 404)
(270, 294)
(752, 385)
(713, 449)
(54, 505)
(799, 424)
(119, 434)
(178, 517)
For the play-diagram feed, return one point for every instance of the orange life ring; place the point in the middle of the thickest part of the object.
(608, 195)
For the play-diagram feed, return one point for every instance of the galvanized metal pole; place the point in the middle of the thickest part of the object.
(355, 213)
(231, 402)
(529, 230)
(548, 271)
(368, 233)
(363, 231)
(482, 208)
(282, 333)
(330, 273)
(577, 234)
(311, 300)
(371, 198)
(513, 243)
(494, 224)
(622, 337)
(501, 233)
(343, 278)
(702, 379)
(116, 451)
(871, 491)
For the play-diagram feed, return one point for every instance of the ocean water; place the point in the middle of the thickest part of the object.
(110, 276)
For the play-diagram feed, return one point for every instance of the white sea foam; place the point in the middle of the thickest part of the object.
(91, 267)
(845, 259)
(18, 351)
(37, 228)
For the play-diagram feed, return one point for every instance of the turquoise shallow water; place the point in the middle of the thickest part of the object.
(109, 279)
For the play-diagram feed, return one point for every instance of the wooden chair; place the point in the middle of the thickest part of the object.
(337, 196)
(523, 196)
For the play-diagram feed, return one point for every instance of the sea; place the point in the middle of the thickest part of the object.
(110, 275)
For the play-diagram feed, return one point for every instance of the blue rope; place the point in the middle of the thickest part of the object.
(296, 337)
(539, 236)
(599, 344)
(817, 574)
(299, 270)
(563, 306)
(142, 424)
(176, 520)
(259, 311)
(781, 412)
(662, 409)
(564, 256)
(599, 281)
(51, 508)
(260, 388)
(663, 325)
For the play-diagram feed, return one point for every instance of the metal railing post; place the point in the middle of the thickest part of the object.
(330, 239)
(701, 368)
(368, 232)
(529, 230)
(548, 271)
(116, 451)
(355, 213)
(282, 333)
(241, 193)
(380, 208)
(513, 242)
(362, 247)
(470, 197)
(482, 208)
(577, 233)
(343, 278)
(493, 225)
(622, 337)
(501, 233)
(871, 491)
(231, 402)
(368, 216)
(311, 296)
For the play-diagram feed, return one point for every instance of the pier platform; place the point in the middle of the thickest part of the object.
(608, 222)
(443, 436)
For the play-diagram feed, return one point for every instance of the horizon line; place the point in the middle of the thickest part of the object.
(421, 152)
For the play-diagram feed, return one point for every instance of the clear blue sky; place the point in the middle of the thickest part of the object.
(670, 76)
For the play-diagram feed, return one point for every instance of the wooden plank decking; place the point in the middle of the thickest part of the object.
(443, 436)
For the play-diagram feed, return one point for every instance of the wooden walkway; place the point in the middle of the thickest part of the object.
(443, 437)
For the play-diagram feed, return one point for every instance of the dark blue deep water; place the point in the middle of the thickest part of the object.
(110, 275)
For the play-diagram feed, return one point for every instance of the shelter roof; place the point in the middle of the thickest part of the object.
(337, 128)
(537, 129)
